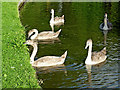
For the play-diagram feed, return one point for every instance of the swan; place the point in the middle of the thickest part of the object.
(46, 60)
(106, 25)
(33, 34)
(94, 57)
(56, 21)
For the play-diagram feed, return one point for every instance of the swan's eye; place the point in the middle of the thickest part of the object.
(88, 43)
(32, 34)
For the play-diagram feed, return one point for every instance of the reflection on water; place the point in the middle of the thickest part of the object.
(49, 41)
(51, 69)
(89, 71)
(82, 22)
(105, 36)
(60, 7)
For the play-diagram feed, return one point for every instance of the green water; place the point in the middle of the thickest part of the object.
(82, 22)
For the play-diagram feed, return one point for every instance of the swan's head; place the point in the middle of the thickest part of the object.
(52, 10)
(105, 19)
(62, 16)
(30, 42)
(32, 33)
(105, 15)
(88, 43)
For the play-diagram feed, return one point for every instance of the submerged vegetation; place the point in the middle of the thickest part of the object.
(16, 69)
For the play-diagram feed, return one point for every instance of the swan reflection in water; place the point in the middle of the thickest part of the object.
(50, 69)
(105, 36)
(89, 69)
(49, 41)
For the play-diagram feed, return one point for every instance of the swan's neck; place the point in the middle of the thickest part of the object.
(35, 35)
(88, 59)
(52, 16)
(52, 21)
(33, 53)
(105, 24)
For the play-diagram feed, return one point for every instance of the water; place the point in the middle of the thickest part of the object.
(82, 22)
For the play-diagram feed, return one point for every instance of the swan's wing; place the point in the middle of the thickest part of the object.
(98, 56)
(45, 33)
(103, 50)
(48, 61)
(109, 24)
(101, 26)
(94, 56)
(58, 19)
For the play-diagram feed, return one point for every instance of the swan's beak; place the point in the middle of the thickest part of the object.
(29, 34)
(86, 46)
(28, 37)
(25, 43)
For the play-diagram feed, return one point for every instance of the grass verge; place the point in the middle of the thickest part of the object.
(0, 46)
(16, 69)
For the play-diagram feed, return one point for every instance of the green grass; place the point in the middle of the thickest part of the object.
(0, 46)
(17, 71)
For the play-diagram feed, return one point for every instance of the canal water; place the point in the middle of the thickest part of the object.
(82, 22)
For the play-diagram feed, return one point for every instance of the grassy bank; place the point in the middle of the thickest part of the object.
(0, 47)
(16, 69)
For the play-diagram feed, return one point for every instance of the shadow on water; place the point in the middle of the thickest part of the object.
(82, 22)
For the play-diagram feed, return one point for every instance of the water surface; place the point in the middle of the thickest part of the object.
(82, 22)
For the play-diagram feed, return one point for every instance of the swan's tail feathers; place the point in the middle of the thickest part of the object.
(57, 33)
(62, 16)
(63, 19)
(103, 50)
(64, 55)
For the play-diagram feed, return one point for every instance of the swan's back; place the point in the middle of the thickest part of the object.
(48, 35)
(98, 57)
(108, 24)
(59, 20)
(45, 33)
